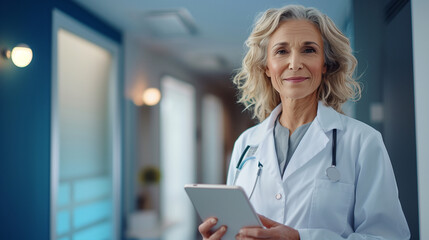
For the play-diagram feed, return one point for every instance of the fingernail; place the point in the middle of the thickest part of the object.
(223, 228)
(213, 220)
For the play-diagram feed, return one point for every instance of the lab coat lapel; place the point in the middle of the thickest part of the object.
(266, 153)
(268, 157)
(316, 138)
(313, 142)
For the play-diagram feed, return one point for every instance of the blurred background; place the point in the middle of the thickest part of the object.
(107, 108)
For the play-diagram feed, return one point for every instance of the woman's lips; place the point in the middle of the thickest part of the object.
(296, 79)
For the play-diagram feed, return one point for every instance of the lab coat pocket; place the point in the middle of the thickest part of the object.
(331, 205)
(247, 177)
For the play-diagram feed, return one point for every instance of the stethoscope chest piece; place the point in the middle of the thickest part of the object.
(333, 174)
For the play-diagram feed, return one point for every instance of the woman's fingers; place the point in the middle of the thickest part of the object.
(208, 224)
(205, 227)
(254, 232)
(279, 231)
(218, 234)
(268, 222)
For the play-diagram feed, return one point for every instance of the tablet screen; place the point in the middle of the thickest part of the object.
(229, 204)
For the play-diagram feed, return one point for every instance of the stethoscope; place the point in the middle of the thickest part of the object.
(248, 154)
(331, 172)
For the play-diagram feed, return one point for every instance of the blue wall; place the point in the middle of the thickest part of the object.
(25, 115)
(384, 51)
(399, 124)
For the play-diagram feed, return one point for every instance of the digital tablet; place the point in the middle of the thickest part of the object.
(229, 204)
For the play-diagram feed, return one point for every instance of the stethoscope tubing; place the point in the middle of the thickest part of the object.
(334, 148)
(242, 156)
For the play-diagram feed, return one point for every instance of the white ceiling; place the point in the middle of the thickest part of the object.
(221, 26)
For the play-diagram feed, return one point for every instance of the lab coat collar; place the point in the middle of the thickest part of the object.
(327, 118)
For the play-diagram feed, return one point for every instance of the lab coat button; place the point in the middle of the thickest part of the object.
(278, 196)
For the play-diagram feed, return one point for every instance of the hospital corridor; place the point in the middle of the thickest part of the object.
(109, 108)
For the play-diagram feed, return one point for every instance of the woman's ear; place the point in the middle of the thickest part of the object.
(325, 66)
(267, 71)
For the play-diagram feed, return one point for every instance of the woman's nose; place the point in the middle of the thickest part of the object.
(295, 62)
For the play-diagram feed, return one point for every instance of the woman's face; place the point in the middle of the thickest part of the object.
(295, 59)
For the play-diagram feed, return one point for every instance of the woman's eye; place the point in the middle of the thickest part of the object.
(309, 50)
(281, 51)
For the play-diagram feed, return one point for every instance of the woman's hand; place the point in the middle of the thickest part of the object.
(274, 230)
(205, 227)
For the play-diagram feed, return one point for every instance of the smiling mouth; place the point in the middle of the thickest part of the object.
(296, 79)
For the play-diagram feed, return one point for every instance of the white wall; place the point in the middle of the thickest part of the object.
(420, 19)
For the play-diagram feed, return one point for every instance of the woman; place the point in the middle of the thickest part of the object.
(295, 77)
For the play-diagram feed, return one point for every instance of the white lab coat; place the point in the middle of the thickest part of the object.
(364, 203)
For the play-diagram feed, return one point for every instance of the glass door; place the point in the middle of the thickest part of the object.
(85, 134)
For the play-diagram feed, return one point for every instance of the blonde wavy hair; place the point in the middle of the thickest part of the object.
(338, 83)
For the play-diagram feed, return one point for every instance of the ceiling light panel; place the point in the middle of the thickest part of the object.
(170, 23)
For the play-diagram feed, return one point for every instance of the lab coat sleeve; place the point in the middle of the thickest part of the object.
(377, 210)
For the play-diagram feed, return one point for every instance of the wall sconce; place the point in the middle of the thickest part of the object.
(151, 96)
(21, 55)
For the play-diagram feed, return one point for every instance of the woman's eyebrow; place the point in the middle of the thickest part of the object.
(311, 43)
(280, 44)
(306, 43)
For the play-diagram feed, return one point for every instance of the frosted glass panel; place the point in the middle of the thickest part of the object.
(63, 222)
(98, 232)
(177, 156)
(64, 194)
(90, 213)
(88, 189)
(83, 74)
